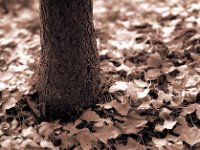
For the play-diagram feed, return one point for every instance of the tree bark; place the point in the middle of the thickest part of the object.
(68, 80)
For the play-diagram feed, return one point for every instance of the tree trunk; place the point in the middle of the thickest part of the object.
(68, 80)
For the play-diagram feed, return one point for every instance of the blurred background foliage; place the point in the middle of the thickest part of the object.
(12, 6)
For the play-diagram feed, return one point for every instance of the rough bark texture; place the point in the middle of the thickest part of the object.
(68, 71)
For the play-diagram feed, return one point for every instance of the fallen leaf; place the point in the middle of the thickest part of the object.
(107, 132)
(29, 132)
(191, 136)
(47, 144)
(133, 123)
(89, 116)
(122, 109)
(2, 86)
(118, 86)
(143, 94)
(29, 143)
(45, 130)
(168, 124)
(131, 144)
(154, 60)
(159, 143)
(132, 92)
(141, 83)
(86, 140)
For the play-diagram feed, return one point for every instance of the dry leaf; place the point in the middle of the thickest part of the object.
(131, 144)
(191, 136)
(122, 109)
(89, 116)
(118, 86)
(45, 130)
(47, 144)
(132, 92)
(141, 83)
(2, 86)
(168, 124)
(154, 60)
(107, 132)
(159, 143)
(30, 132)
(143, 94)
(29, 143)
(86, 140)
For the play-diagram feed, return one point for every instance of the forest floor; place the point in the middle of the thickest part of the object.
(150, 66)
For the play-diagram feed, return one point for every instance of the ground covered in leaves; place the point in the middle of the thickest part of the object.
(149, 56)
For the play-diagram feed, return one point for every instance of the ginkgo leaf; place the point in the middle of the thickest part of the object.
(165, 114)
(174, 146)
(6, 144)
(131, 144)
(192, 108)
(102, 122)
(7, 76)
(30, 132)
(14, 124)
(89, 116)
(182, 125)
(2, 86)
(107, 132)
(141, 83)
(190, 96)
(7, 104)
(133, 123)
(159, 143)
(124, 68)
(189, 109)
(143, 93)
(37, 138)
(168, 124)
(174, 139)
(86, 140)
(132, 92)
(114, 54)
(198, 111)
(191, 136)
(9, 100)
(66, 140)
(133, 126)
(162, 96)
(75, 131)
(145, 105)
(107, 105)
(118, 86)
(46, 144)
(5, 95)
(154, 60)
(29, 143)
(152, 73)
(122, 109)
(45, 130)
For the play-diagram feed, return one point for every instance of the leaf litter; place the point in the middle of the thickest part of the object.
(149, 57)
